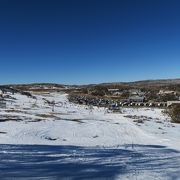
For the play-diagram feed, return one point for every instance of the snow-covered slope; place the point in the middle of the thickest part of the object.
(75, 142)
(31, 121)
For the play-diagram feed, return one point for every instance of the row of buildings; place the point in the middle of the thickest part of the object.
(136, 95)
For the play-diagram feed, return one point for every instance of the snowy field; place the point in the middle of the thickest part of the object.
(74, 142)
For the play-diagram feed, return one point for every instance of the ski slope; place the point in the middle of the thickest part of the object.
(72, 134)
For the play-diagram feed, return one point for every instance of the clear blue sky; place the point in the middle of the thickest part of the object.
(88, 41)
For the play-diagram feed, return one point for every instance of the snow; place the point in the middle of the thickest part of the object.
(98, 139)
(72, 124)
(73, 162)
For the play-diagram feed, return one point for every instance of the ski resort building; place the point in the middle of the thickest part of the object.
(136, 99)
(170, 103)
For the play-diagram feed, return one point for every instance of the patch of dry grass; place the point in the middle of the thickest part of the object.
(46, 115)
(16, 111)
(4, 118)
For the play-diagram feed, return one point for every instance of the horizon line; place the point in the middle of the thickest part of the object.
(86, 84)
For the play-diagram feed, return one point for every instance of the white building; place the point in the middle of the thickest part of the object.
(166, 92)
(113, 90)
(117, 93)
(169, 103)
(136, 92)
(136, 99)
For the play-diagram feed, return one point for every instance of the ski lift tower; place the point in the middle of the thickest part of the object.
(1, 94)
(2, 101)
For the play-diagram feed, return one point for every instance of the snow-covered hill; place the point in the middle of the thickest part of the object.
(145, 131)
(31, 121)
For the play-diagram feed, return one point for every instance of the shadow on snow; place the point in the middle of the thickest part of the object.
(72, 162)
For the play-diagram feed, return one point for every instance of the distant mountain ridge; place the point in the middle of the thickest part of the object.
(158, 82)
